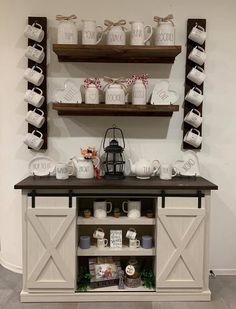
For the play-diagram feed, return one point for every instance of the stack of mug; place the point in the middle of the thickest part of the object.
(147, 240)
(99, 234)
(34, 95)
(115, 32)
(197, 76)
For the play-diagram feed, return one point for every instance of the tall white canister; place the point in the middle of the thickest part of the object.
(165, 30)
(67, 32)
(115, 90)
(139, 91)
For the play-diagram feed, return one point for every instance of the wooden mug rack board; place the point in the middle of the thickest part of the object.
(44, 129)
(188, 83)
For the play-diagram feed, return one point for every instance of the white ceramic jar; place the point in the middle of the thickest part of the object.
(139, 93)
(116, 36)
(91, 94)
(165, 33)
(115, 94)
(67, 32)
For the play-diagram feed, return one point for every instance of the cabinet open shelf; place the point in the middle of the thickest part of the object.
(124, 251)
(116, 53)
(75, 109)
(115, 221)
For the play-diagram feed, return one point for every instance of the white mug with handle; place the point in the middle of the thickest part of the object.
(198, 55)
(64, 170)
(35, 53)
(34, 75)
(197, 75)
(194, 96)
(99, 233)
(193, 118)
(34, 141)
(34, 97)
(102, 243)
(34, 32)
(197, 34)
(134, 243)
(167, 171)
(133, 208)
(90, 32)
(35, 117)
(139, 33)
(193, 137)
(131, 233)
(100, 209)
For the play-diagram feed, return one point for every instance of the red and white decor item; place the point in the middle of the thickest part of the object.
(92, 87)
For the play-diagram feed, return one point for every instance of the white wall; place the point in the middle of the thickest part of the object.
(154, 138)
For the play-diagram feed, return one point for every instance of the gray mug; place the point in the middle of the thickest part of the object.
(85, 242)
(147, 241)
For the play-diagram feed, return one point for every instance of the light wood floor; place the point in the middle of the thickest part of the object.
(223, 297)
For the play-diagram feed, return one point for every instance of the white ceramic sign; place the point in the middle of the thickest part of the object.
(161, 94)
(116, 238)
(70, 94)
(41, 166)
(189, 165)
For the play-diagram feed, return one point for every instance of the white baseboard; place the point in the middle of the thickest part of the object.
(225, 272)
(9, 266)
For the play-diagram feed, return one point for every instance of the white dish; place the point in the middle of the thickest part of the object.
(41, 166)
(69, 94)
(189, 165)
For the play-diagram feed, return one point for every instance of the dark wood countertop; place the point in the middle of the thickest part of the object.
(177, 183)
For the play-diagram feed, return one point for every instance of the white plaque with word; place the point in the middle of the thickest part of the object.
(116, 238)
(161, 94)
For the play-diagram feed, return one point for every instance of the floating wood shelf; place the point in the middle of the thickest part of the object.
(116, 53)
(74, 109)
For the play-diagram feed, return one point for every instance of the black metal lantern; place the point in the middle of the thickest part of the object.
(114, 162)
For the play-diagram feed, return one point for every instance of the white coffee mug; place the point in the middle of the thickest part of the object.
(193, 118)
(99, 233)
(197, 34)
(100, 209)
(198, 55)
(35, 53)
(193, 137)
(33, 141)
(34, 32)
(34, 75)
(133, 208)
(139, 33)
(34, 97)
(134, 243)
(64, 170)
(90, 32)
(197, 75)
(131, 233)
(102, 243)
(194, 96)
(35, 117)
(167, 171)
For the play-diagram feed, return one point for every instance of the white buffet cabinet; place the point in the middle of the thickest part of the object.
(52, 223)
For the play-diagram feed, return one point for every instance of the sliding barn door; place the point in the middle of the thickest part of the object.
(180, 244)
(51, 253)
